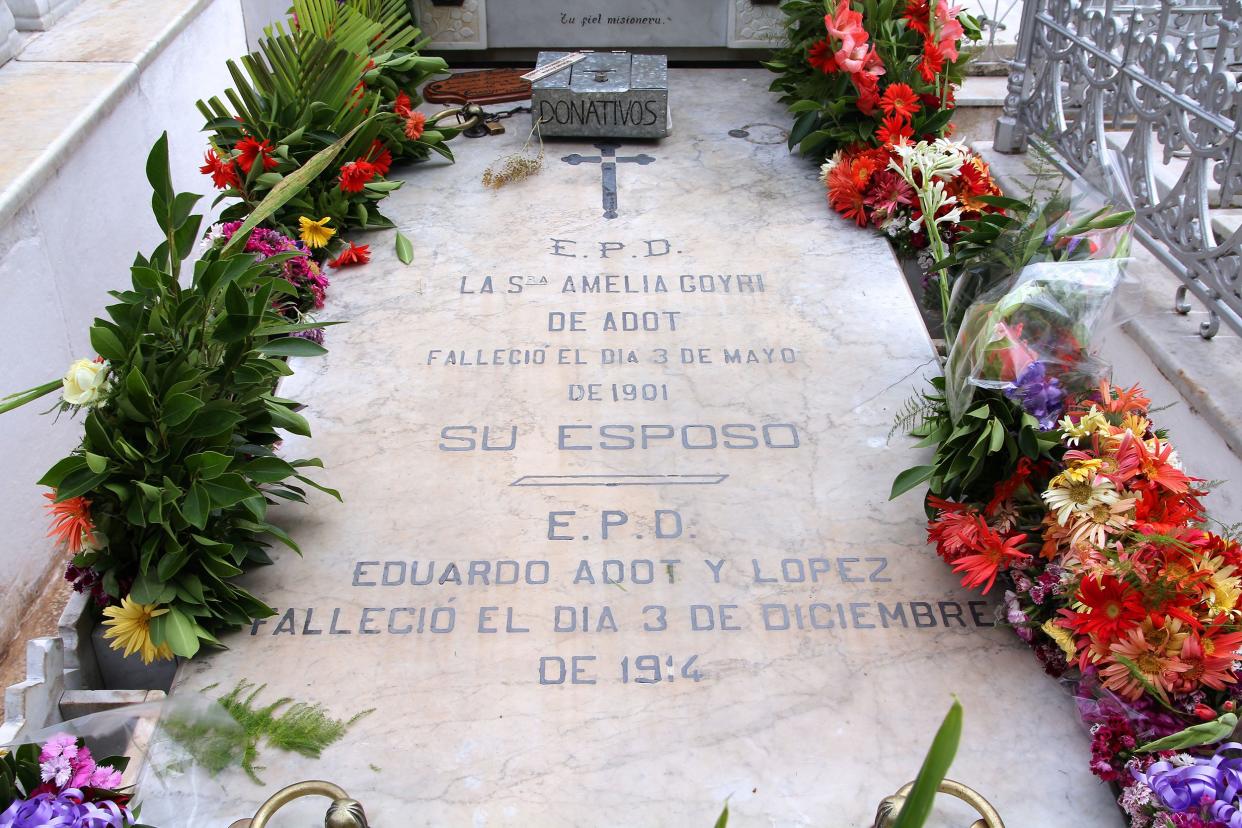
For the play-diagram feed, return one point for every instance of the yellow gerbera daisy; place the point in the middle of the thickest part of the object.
(130, 626)
(1062, 637)
(316, 233)
(1078, 471)
(1090, 423)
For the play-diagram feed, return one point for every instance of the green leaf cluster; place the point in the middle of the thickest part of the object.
(978, 452)
(335, 72)
(825, 106)
(300, 727)
(178, 461)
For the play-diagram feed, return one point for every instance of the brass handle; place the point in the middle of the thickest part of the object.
(472, 113)
(886, 816)
(342, 813)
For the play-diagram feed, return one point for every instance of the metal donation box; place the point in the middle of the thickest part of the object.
(603, 95)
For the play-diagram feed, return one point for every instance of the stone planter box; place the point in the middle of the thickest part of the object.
(39, 15)
(90, 664)
(76, 674)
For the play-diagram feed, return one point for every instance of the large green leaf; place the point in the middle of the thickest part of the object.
(918, 805)
(289, 187)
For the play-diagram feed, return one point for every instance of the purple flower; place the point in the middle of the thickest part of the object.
(65, 809)
(314, 335)
(1042, 396)
(1210, 786)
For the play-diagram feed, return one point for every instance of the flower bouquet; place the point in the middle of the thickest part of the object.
(61, 784)
(869, 72)
(1056, 487)
(341, 70)
(165, 500)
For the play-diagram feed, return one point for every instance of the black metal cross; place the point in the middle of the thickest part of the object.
(608, 160)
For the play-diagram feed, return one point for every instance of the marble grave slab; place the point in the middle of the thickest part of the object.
(616, 544)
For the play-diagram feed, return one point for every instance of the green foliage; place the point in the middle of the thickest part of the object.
(918, 804)
(300, 727)
(334, 77)
(177, 460)
(980, 451)
(826, 106)
(19, 773)
(1207, 733)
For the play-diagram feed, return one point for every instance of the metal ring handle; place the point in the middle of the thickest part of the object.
(472, 112)
(342, 813)
(891, 806)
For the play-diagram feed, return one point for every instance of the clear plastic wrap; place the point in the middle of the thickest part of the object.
(1032, 339)
(175, 747)
(1038, 303)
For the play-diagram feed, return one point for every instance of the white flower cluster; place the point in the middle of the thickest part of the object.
(926, 166)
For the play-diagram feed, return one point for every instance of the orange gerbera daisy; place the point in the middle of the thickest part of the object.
(1153, 461)
(1209, 662)
(1118, 400)
(71, 522)
(1154, 653)
(415, 123)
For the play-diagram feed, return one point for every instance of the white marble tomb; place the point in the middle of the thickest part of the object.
(777, 633)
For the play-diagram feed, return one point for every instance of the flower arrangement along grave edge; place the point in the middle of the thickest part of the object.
(164, 502)
(863, 73)
(1058, 488)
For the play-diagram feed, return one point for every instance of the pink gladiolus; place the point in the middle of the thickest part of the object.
(948, 30)
(845, 28)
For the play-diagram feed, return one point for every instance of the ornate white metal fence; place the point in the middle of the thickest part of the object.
(1158, 82)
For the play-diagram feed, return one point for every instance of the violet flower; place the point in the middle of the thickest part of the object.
(65, 809)
(1208, 787)
(1042, 396)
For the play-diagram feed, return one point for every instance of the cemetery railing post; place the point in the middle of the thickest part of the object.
(1010, 134)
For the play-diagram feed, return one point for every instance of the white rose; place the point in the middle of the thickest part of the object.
(85, 382)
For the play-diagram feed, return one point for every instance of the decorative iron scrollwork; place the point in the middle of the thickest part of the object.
(1158, 82)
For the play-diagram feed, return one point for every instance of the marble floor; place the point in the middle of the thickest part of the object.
(616, 544)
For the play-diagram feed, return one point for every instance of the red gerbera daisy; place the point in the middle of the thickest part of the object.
(821, 57)
(918, 16)
(993, 553)
(223, 173)
(379, 157)
(893, 130)
(355, 174)
(932, 62)
(355, 254)
(1112, 608)
(402, 105)
(900, 99)
(249, 150)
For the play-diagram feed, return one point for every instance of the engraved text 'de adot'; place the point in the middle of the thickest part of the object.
(608, 160)
(604, 95)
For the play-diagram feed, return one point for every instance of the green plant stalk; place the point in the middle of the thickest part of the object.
(918, 805)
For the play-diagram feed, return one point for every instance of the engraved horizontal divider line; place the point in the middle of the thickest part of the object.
(615, 480)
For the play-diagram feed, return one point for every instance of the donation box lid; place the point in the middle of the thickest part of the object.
(606, 72)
